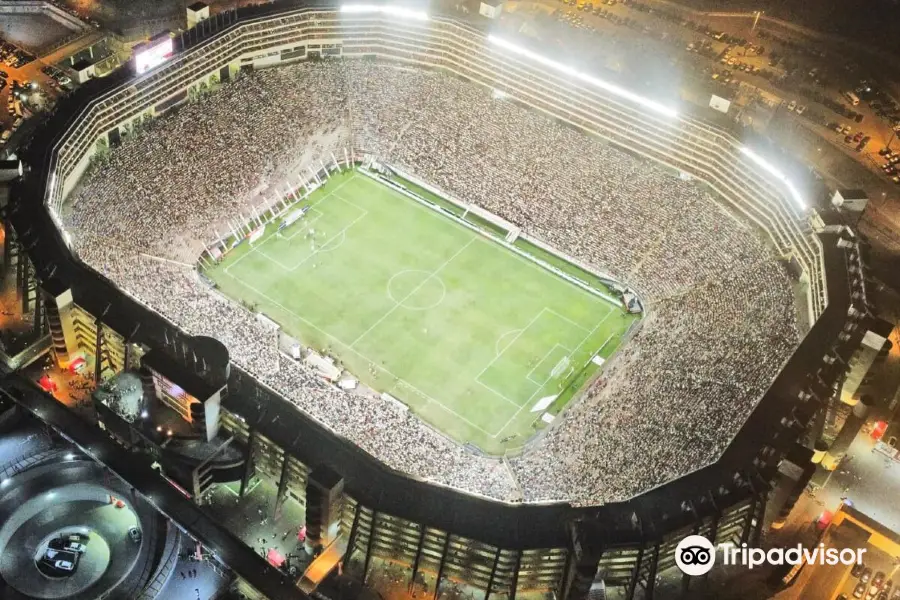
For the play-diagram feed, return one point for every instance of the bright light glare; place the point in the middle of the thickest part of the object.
(393, 11)
(768, 167)
(609, 87)
(70, 456)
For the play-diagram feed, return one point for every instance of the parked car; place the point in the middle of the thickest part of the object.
(134, 534)
(866, 575)
(60, 559)
(857, 569)
(64, 565)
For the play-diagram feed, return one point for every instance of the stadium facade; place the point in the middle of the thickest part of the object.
(500, 548)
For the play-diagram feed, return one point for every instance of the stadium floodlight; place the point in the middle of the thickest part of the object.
(770, 168)
(590, 79)
(393, 11)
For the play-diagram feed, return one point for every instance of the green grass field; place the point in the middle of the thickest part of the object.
(470, 335)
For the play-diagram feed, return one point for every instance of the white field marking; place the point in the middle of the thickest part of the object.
(386, 371)
(568, 320)
(505, 348)
(442, 405)
(403, 272)
(308, 222)
(440, 215)
(540, 362)
(497, 350)
(327, 247)
(577, 348)
(315, 252)
(496, 392)
(319, 201)
(414, 290)
(360, 354)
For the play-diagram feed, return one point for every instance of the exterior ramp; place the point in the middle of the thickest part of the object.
(322, 565)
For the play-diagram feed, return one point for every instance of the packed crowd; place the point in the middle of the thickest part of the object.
(720, 319)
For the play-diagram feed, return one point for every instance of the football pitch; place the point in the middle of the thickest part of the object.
(473, 337)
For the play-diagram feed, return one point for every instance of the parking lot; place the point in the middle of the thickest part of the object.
(27, 87)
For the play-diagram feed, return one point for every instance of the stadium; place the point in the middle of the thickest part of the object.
(591, 324)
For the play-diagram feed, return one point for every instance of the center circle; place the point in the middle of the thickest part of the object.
(414, 289)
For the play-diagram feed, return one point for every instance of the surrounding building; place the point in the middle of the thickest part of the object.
(376, 513)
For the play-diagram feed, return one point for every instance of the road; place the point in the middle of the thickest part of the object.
(136, 471)
(57, 498)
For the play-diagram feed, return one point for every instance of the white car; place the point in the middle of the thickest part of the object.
(75, 547)
(792, 105)
(64, 565)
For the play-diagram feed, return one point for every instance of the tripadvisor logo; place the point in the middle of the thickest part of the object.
(696, 555)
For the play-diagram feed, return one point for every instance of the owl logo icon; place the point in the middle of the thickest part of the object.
(695, 555)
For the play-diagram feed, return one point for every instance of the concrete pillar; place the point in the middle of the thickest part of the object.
(60, 307)
(324, 501)
(862, 408)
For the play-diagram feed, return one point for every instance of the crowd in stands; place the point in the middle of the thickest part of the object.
(720, 318)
